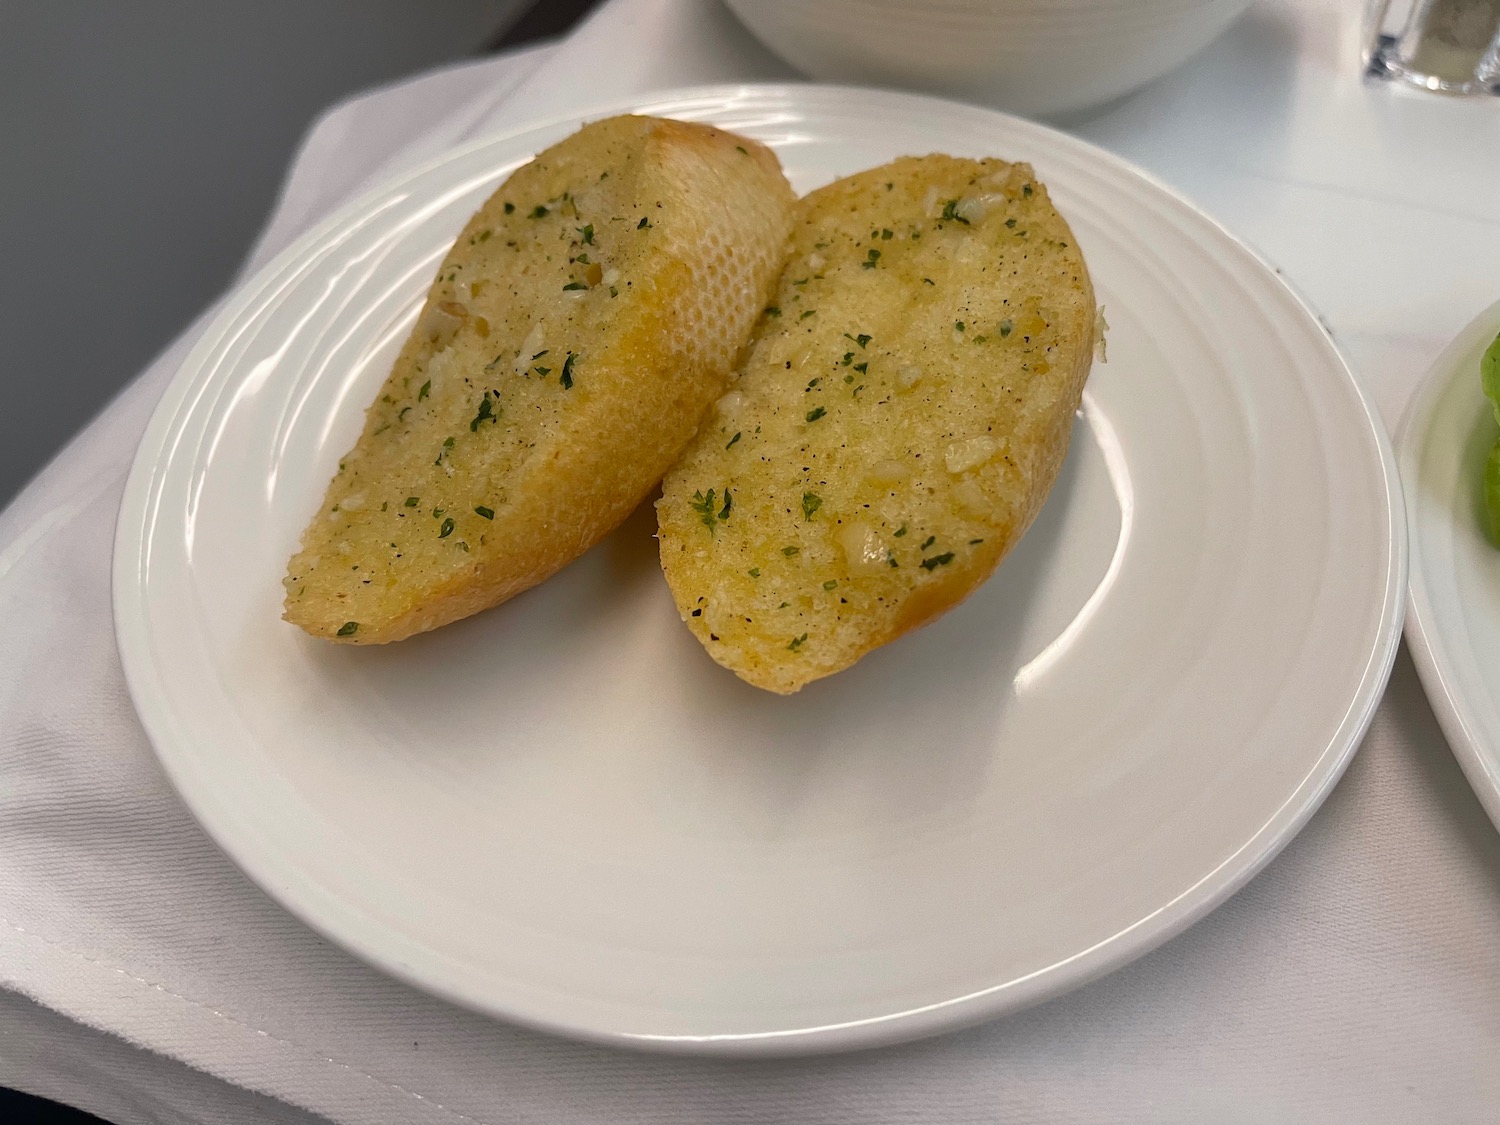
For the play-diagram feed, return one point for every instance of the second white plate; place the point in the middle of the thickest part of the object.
(1454, 623)
(562, 812)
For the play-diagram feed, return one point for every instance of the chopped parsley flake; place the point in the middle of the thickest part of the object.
(1026, 190)
(886, 234)
(486, 412)
(847, 360)
(741, 149)
(574, 285)
(814, 414)
(1006, 327)
(871, 259)
(772, 310)
(704, 504)
(484, 235)
(807, 314)
(424, 390)
(510, 208)
(931, 539)
(539, 211)
(830, 584)
(901, 531)
(950, 212)
(1010, 222)
(937, 560)
(566, 378)
(348, 628)
(862, 367)
(814, 383)
(975, 542)
(862, 339)
(447, 528)
(890, 558)
(790, 551)
(958, 325)
(481, 510)
(737, 435)
(811, 502)
(401, 414)
(797, 642)
(644, 224)
(541, 371)
(413, 501)
(753, 572)
(587, 233)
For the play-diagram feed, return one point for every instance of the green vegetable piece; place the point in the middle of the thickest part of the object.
(1489, 375)
(1492, 491)
(348, 628)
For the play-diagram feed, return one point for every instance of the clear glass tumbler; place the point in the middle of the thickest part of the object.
(1448, 46)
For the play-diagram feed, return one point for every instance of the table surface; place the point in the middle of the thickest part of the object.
(1357, 978)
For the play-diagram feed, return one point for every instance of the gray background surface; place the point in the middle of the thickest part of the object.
(141, 145)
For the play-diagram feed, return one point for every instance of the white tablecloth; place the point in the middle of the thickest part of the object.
(1357, 979)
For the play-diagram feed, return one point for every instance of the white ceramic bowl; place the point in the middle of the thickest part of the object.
(1035, 57)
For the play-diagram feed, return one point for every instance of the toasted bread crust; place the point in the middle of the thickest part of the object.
(902, 413)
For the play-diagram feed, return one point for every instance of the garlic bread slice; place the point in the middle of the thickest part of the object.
(581, 325)
(897, 423)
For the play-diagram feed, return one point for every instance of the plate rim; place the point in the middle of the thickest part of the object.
(1430, 653)
(132, 542)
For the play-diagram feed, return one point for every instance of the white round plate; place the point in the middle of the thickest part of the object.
(564, 813)
(1453, 623)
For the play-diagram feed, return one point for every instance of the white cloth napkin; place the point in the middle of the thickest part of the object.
(1357, 979)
